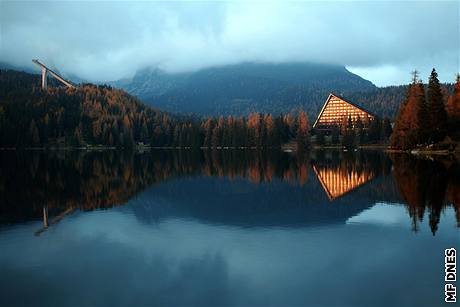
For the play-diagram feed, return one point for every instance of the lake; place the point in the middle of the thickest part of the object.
(225, 228)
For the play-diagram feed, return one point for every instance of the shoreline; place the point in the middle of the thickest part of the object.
(378, 147)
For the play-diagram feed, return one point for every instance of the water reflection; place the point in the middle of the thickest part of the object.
(423, 185)
(342, 172)
(225, 228)
(275, 187)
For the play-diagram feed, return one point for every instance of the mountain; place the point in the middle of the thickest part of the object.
(243, 88)
(8, 66)
(87, 114)
(90, 115)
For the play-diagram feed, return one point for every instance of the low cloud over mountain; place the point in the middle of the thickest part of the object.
(103, 41)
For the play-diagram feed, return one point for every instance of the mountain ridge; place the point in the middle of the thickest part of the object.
(243, 88)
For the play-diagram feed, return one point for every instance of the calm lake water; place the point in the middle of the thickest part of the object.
(227, 228)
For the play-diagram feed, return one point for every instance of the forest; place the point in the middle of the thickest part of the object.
(100, 115)
(427, 116)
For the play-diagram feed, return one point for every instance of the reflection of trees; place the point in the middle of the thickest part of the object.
(453, 189)
(30, 181)
(256, 166)
(423, 184)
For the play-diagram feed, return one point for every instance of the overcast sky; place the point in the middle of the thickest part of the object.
(383, 41)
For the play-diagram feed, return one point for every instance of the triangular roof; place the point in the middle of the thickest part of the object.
(343, 99)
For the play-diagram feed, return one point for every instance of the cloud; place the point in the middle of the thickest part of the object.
(111, 40)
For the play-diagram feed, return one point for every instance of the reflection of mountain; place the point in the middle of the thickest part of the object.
(241, 188)
(243, 203)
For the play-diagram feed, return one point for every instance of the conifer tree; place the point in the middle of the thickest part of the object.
(411, 121)
(437, 116)
(335, 135)
(453, 110)
(320, 138)
(386, 129)
(423, 117)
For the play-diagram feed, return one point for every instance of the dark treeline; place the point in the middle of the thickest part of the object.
(354, 133)
(427, 116)
(101, 115)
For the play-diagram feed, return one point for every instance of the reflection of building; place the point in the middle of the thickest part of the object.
(336, 112)
(337, 181)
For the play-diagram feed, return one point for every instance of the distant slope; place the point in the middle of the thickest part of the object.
(243, 88)
(88, 114)
(385, 101)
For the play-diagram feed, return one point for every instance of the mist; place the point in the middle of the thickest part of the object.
(382, 41)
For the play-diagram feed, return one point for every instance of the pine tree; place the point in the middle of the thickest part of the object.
(437, 116)
(335, 139)
(423, 118)
(386, 129)
(320, 138)
(453, 110)
(359, 127)
(374, 130)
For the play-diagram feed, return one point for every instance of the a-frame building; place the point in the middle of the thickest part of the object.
(337, 110)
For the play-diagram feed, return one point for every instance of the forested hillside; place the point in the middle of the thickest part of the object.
(268, 88)
(244, 88)
(385, 101)
(87, 114)
(102, 115)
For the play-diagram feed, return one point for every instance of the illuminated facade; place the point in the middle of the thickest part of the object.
(336, 112)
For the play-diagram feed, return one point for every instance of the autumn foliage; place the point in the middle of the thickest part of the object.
(422, 117)
(453, 110)
(102, 115)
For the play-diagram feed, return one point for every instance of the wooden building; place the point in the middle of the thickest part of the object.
(337, 111)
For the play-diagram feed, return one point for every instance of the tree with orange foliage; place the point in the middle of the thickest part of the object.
(207, 127)
(254, 129)
(269, 130)
(410, 125)
(303, 140)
